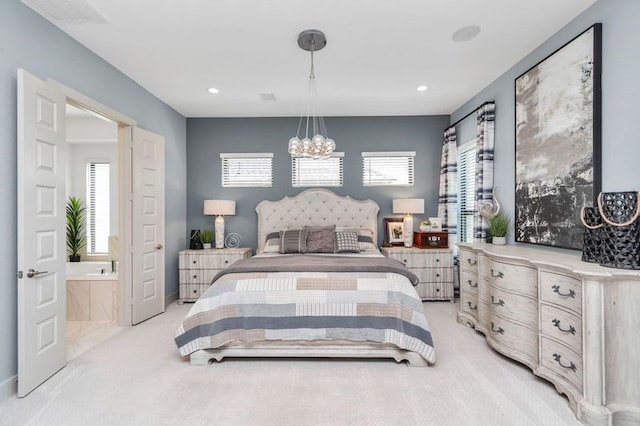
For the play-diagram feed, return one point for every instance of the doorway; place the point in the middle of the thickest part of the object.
(92, 179)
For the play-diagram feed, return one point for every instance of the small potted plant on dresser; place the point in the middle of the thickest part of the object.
(207, 237)
(498, 227)
(76, 236)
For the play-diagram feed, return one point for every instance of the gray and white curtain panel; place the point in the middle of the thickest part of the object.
(448, 195)
(484, 166)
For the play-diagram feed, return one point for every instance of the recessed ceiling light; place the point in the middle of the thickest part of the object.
(213, 90)
(466, 33)
(422, 88)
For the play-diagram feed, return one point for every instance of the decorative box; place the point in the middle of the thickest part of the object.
(433, 240)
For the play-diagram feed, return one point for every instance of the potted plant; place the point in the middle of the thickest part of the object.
(498, 227)
(425, 225)
(207, 237)
(76, 235)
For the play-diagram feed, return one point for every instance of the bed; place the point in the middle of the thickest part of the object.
(310, 301)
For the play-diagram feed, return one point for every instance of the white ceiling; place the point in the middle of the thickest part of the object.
(378, 51)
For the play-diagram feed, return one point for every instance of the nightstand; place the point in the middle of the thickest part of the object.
(198, 267)
(434, 268)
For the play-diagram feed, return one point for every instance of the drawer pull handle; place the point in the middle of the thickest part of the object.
(471, 262)
(498, 275)
(499, 302)
(571, 329)
(571, 365)
(499, 330)
(473, 308)
(195, 276)
(437, 260)
(556, 289)
(472, 285)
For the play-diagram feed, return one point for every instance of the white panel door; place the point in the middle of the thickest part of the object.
(148, 225)
(41, 232)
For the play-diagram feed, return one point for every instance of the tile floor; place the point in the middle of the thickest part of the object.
(84, 335)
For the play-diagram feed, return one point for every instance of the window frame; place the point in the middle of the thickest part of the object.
(380, 159)
(227, 181)
(298, 165)
(93, 213)
(464, 235)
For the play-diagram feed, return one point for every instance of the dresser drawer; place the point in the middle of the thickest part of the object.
(561, 290)
(423, 258)
(516, 278)
(435, 291)
(433, 275)
(561, 325)
(468, 261)
(220, 261)
(513, 306)
(515, 337)
(469, 303)
(469, 282)
(197, 276)
(561, 360)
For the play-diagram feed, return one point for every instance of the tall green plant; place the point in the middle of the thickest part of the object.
(207, 235)
(76, 226)
(499, 225)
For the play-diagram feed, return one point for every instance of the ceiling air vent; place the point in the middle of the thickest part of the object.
(66, 11)
(267, 96)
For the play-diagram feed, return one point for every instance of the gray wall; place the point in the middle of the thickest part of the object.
(620, 94)
(28, 41)
(208, 137)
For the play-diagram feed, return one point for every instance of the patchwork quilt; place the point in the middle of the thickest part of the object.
(380, 307)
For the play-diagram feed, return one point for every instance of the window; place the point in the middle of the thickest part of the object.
(310, 172)
(387, 168)
(247, 170)
(98, 209)
(466, 190)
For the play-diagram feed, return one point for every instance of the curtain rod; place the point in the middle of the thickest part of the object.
(468, 115)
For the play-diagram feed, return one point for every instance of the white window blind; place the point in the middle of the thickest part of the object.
(247, 170)
(387, 168)
(466, 190)
(310, 172)
(97, 208)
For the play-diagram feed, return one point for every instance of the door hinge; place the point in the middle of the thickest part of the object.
(19, 274)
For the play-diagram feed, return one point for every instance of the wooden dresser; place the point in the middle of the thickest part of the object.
(434, 268)
(198, 267)
(573, 323)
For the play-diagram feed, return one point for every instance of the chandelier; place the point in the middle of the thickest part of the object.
(318, 146)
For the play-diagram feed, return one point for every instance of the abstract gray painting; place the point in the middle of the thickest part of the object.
(557, 133)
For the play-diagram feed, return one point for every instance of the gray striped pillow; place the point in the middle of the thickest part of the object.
(293, 241)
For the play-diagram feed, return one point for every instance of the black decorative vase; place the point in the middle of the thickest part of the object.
(74, 258)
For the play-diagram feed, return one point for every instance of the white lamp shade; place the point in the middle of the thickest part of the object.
(219, 207)
(408, 206)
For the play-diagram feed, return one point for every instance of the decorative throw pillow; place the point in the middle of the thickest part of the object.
(347, 242)
(366, 243)
(320, 239)
(272, 245)
(293, 241)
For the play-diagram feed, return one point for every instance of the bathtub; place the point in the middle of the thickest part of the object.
(91, 294)
(91, 270)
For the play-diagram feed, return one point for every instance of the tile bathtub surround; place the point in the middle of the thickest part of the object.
(92, 300)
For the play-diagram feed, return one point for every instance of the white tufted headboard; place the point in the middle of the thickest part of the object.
(317, 206)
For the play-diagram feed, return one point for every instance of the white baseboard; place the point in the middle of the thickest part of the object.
(8, 388)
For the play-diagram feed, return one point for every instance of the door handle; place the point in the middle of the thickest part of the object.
(32, 273)
(159, 247)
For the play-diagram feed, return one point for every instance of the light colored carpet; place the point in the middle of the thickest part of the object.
(138, 378)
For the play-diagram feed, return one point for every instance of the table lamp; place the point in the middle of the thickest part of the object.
(219, 208)
(407, 207)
